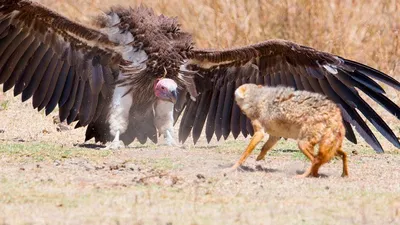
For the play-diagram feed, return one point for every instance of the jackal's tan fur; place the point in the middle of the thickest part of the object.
(308, 117)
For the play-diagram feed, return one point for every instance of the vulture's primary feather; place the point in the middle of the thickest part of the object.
(103, 77)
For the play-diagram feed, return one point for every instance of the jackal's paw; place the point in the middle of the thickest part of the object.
(260, 157)
(300, 176)
(114, 145)
(235, 168)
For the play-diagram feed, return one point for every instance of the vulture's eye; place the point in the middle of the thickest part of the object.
(162, 88)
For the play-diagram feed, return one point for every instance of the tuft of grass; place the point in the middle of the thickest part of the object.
(47, 151)
(165, 164)
(4, 105)
(233, 146)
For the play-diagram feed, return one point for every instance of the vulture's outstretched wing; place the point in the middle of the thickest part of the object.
(281, 62)
(55, 61)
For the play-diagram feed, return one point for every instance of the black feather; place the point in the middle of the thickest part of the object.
(315, 85)
(306, 84)
(29, 70)
(52, 85)
(249, 127)
(17, 41)
(291, 82)
(220, 108)
(349, 132)
(374, 93)
(88, 106)
(47, 64)
(366, 81)
(11, 36)
(187, 123)
(68, 86)
(65, 109)
(371, 72)
(97, 80)
(100, 106)
(226, 113)
(201, 115)
(14, 67)
(62, 81)
(351, 116)
(44, 83)
(77, 104)
(4, 24)
(352, 98)
(235, 115)
(282, 78)
(313, 72)
(210, 125)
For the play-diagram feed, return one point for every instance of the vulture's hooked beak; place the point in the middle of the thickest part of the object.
(173, 96)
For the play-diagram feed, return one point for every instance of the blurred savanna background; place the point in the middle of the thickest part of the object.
(363, 30)
(47, 177)
(367, 31)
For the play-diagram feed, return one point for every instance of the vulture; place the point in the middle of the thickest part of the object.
(133, 74)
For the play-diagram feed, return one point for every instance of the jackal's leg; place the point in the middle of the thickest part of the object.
(345, 172)
(272, 140)
(324, 155)
(307, 148)
(257, 137)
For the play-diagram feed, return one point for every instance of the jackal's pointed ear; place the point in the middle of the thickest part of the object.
(240, 91)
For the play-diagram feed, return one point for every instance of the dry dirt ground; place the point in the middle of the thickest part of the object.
(47, 177)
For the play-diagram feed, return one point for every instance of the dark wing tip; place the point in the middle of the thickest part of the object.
(371, 72)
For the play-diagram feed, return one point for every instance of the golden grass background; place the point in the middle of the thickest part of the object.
(363, 30)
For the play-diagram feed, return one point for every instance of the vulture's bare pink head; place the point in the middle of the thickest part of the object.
(166, 89)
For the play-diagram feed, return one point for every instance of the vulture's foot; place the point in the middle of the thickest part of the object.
(169, 139)
(171, 143)
(114, 145)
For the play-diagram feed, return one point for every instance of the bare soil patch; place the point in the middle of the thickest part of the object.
(49, 177)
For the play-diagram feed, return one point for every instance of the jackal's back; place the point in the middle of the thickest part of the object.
(288, 113)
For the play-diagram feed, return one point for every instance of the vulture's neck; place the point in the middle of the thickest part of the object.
(164, 119)
(163, 108)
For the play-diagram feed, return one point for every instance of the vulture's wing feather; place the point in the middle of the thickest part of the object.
(55, 61)
(279, 62)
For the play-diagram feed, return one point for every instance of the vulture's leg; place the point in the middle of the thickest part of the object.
(119, 115)
(164, 120)
(169, 138)
(116, 143)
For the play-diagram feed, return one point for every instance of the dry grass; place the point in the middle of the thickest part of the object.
(175, 186)
(363, 30)
(367, 31)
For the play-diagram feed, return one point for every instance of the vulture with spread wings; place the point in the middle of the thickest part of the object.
(133, 74)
